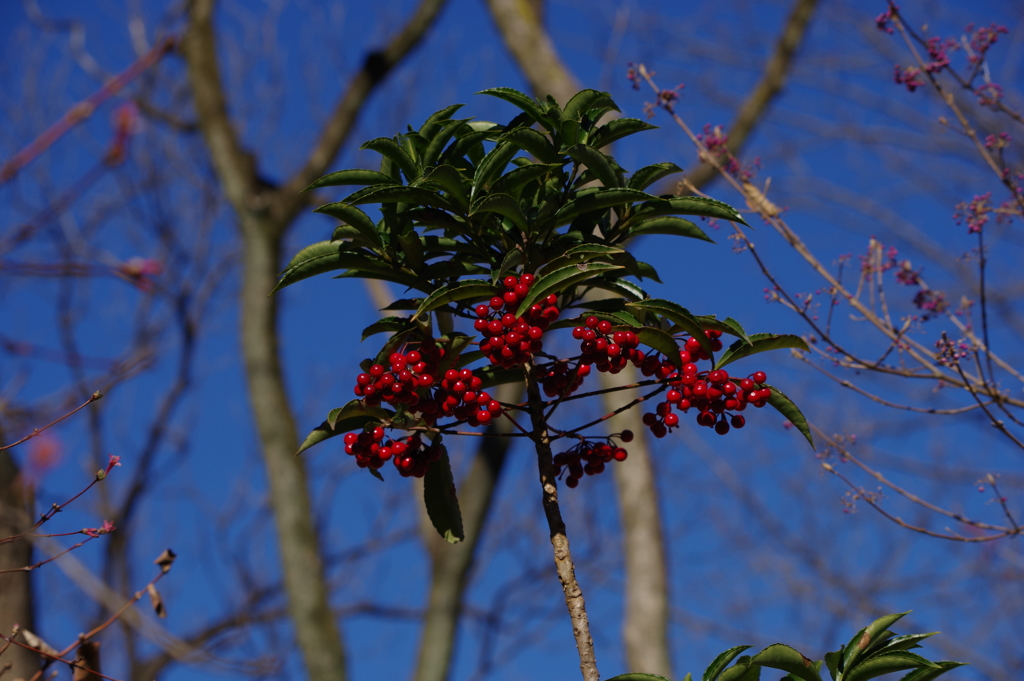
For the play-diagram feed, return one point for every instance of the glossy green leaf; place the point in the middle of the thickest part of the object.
(437, 120)
(351, 177)
(679, 316)
(642, 270)
(412, 248)
(905, 642)
(440, 500)
(460, 290)
(596, 162)
(569, 132)
(385, 325)
(453, 344)
(617, 129)
(585, 100)
(690, 205)
(351, 234)
(414, 195)
(598, 200)
(781, 656)
(465, 144)
(638, 676)
(524, 102)
(492, 375)
(439, 140)
(742, 671)
(502, 204)
(561, 279)
(932, 673)
(450, 180)
(355, 218)
(648, 175)
(887, 663)
(353, 416)
(583, 253)
(513, 180)
(491, 168)
(760, 342)
(832, 661)
(869, 634)
(670, 225)
(719, 664)
(661, 341)
(385, 146)
(620, 318)
(405, 304)
(787, 408)
(534, 143)
(512, 259)
(626, 289)
(727, 325)
(321, 257)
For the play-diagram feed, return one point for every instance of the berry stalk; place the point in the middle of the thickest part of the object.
(559, 541)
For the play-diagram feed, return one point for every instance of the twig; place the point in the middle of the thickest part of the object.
(92, 398)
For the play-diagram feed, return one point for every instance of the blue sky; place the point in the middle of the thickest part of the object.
(850, 154)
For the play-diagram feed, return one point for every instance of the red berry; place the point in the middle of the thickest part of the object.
(482, 310)
(692, 345)
(510, 282)
(510, 297)
(351, 438)
(527, 279)
(551, 299)
(722, 427)
(738, 421)
(497, 302)
(671, 420)
(364, 379)
(626, 436)
(483, 416)
(604, 326)
(377, 370)
(659, 430)
(592, 322)
(521, 290)
(759, 377)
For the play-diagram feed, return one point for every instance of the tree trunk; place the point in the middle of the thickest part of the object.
(15, 587)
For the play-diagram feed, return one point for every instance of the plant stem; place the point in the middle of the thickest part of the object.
(559, 540)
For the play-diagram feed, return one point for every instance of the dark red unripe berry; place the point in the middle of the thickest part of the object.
(722, 427)
(626, 436)
(571, 482)
(738, 421)
(659, 430)
(649, 419)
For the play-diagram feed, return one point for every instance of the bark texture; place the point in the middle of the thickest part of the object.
(15, 587)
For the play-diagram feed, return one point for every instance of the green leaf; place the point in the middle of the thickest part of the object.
(638, 676)
(502, 204)
(669, 225)
(617, 129)
(353, 416)
(719, 664)
(389, 148)
(512, 259)
(535, 143)
(869, 634)
(689, 205)
(561, 279)
(905, 642)
(742, 671)
(440, 138)
(648, 175)
(405, 304)
(620, 318)
(582, 253)
(642, 270)
(787, 408)
(414, 195)
(626, 289)
(440, 500)
(453, 344)
(569, 132)
(585, 100)
(385, 325)
(412, 248)
(321, 257)
(598, 200)
(491, 168)
(513, 180)
(527, 104)
(348, 177)
(780, 656)
(679, 316)
(832, 661)
(460, 290)
(895, 661)
(437, 120)
(660, 341)
(449, 179)
(931, 673)
(596, 162)
(727, 325)
(375, 473)
(760, 342)
(355, 218)
(494, 375)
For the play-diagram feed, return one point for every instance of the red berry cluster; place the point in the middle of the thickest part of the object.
(558, 380)
(712, 394)
(589, 458)
(607, 352)
(410, 455)
(510, 341)
(412, 381)
(409, 373)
